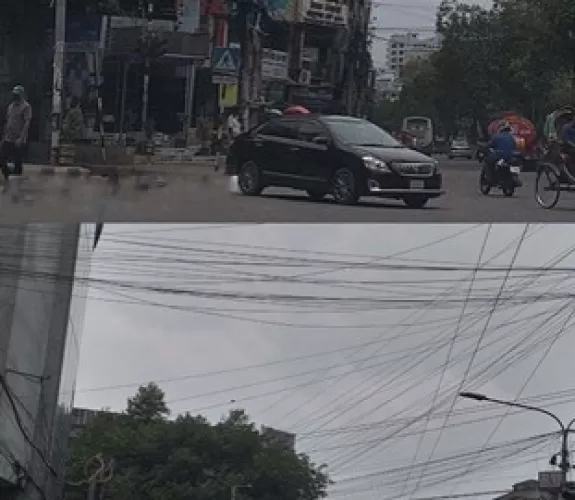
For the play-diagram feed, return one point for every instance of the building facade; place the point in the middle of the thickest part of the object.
(405, 48)
(44, 270)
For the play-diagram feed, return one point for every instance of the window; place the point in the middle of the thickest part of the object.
(308, 131)
(361, 133)
(280, 128)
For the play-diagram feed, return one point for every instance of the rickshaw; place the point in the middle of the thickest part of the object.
(556, 172)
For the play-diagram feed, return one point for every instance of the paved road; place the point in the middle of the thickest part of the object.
(203, 196)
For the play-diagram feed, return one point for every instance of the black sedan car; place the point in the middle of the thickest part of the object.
(341, 156)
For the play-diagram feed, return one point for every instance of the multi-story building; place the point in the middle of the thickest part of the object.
(528, 490)
(276, 438)
(44, 270)
(387, 86)
(405, 48)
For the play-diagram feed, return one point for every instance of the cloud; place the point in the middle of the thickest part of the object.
(314, 329)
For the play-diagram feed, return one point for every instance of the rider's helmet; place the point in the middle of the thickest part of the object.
(505, 127)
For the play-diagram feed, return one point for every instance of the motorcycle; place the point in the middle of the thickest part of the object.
(505, 176)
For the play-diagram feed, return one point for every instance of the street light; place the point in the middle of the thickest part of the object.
(235, 488)
(565, 429)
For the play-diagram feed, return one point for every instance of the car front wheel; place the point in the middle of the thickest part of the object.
(416, 200)
(250, 179)
(316, 194)
(344, 187)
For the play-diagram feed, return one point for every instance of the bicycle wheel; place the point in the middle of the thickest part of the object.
(569, 171)
(547, 187)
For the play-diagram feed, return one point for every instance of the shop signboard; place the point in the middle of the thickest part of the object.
(213, 7)
(188, 15)
(274, 65)
(83, 33)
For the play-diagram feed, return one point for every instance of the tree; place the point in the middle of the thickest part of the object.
(148, 404)
(190, 458)
(516, 55)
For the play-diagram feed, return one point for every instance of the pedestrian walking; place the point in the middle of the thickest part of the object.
(15, 137)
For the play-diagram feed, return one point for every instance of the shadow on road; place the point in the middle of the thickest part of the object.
(372, 203)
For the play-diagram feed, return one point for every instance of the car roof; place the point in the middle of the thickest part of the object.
(321, 117)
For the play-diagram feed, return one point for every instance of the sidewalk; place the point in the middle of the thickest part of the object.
(200, 165)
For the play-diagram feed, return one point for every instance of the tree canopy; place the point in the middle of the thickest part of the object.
(516, 55)
(188, 457)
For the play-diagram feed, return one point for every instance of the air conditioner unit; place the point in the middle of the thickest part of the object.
(304, 77)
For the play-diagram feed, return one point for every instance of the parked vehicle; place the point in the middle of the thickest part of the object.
(420, 129)
(460, 148)
(341, 156)
(505, 176)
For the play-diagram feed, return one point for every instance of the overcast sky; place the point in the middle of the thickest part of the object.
(398, 16)
(347, 335)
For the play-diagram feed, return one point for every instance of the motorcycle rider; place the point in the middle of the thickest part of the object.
(503, 147)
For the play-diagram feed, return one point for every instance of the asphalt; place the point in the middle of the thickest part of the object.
(182, 193)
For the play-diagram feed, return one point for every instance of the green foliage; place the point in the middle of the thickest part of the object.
(516, 55)
(148, 405)
(73, 126)
(188, 457)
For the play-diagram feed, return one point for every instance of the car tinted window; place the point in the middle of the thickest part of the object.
(361, 133)
(308, 131)
(280, 128)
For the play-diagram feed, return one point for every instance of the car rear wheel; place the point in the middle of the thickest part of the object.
(416, 200)
(250, 179)
(344, 187)
(316, 194)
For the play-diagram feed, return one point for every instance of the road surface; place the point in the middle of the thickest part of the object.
(203, 196)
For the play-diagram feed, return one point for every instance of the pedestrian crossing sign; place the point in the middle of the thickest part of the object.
(225, 60)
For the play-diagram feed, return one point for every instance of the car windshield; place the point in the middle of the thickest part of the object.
(361, 133)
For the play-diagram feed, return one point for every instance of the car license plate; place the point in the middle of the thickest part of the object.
(515, 170)
(417, 184)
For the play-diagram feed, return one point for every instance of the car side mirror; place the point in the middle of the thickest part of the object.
(321, 140)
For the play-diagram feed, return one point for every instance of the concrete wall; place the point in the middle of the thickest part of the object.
(43, 316)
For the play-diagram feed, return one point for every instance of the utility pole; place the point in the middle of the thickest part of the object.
(58, 76)
(244, 8)
(148, 10)
(564, 465)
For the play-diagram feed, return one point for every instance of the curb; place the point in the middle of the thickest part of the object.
(64, 171)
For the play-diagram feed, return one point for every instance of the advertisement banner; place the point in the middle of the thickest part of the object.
(274, 65)
(282, 9)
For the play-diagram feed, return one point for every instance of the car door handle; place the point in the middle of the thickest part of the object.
(294, 148)
(258, 144)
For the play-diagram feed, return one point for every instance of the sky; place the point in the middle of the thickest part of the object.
(355, 337)
(399, 16)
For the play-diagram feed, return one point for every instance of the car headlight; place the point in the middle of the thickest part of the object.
(375, 164)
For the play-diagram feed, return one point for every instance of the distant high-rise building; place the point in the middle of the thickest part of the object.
(405, 48)
(275, 437)
(44, 270)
